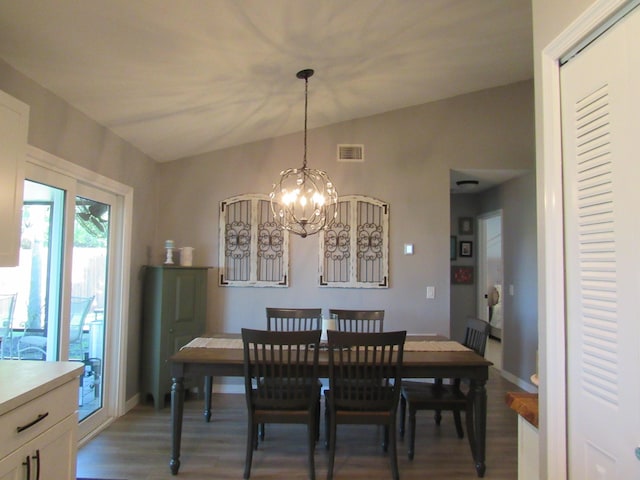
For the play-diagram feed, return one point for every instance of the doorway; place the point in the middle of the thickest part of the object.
(491, 281)
(69, 287)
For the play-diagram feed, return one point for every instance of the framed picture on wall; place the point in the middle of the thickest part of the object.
(453, 248)
(465, 225)
(461, 275)
(466, 249)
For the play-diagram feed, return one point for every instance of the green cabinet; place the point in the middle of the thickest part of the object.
(174, 313)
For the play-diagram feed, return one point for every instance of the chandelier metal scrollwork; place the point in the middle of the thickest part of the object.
(302, 198)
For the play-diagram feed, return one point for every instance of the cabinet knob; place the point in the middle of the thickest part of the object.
(171, 330)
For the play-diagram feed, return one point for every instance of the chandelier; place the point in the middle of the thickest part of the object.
(303, 199)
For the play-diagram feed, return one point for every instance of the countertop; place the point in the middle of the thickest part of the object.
(24, 380)
(525, 405)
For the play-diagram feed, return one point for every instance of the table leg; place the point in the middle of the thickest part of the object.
(177, 410)
(208, 389)
(477, 424)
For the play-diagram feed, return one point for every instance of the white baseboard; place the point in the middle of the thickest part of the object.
(132, 402)
(523, 384)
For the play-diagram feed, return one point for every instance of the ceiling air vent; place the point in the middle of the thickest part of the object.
(351, 153)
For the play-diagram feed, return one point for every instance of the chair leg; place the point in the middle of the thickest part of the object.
(261, 432)
(393, 453)
(458, 422)
(318, 420)
(385, 439)
(438, 417)
(403, 413)
(332, 447)
(251, 440)
(412, 432)
(327, 427)
(311, 433)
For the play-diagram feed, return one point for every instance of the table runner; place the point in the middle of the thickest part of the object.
(409, 346)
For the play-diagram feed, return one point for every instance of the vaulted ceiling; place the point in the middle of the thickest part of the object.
(179, 78)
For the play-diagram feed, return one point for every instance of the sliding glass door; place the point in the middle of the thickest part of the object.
(60, 298)
(31, 329)
(89, 292)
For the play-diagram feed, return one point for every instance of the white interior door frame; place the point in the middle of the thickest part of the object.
(551, 301)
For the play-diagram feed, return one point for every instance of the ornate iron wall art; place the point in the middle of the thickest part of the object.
(337, 245)
(238, 240)
(370, 241)
(253, 250)
(270, 241)
(354, 250)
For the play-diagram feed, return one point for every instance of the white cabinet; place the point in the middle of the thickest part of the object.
(14, 122)
(48, 456)
(528, 451)
(38, 420)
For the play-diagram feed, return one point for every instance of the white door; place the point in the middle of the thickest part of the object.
(601, 152)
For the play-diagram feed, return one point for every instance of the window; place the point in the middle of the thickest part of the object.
(253, 250)
(354, 251)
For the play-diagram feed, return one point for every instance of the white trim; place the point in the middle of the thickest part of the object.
(120, 315)
(552, 334)
(523, 384)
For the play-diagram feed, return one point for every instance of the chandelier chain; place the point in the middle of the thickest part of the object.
(306, 101)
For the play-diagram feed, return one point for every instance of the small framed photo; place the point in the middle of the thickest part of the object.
(465, 225)
(461, 275)
(453, 247)
(466, 249)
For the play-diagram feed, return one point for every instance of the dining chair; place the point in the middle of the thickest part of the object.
(78, 312)
(294, 319)
(7, 308)
(358, 320)
(439, 396)
(364, 385)
(281, 384)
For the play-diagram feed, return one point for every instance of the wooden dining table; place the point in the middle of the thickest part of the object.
(425, 356)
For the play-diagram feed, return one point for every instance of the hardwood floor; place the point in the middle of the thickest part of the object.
(137, 446)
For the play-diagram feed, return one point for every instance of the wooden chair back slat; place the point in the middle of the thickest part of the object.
(294, 319)
(363, 321)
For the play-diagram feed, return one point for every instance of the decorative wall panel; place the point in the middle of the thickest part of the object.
(253, 250)
(354, 251)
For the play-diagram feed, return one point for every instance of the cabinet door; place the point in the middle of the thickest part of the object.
(53, 453)
(14, 120)
(12, 467)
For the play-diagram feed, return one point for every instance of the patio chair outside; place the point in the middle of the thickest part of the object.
(7, 307)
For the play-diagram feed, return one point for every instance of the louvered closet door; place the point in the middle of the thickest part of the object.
(601, 165)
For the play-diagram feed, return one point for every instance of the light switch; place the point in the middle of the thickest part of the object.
(408, 248)
(431, 292)
(511, 290)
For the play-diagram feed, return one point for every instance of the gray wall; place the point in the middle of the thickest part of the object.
(463, 299)
(409, 153)
(61, 130)
(517, 199)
